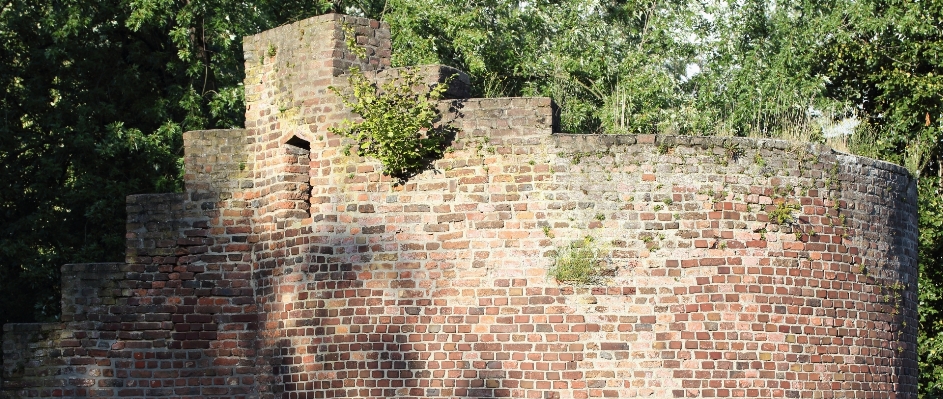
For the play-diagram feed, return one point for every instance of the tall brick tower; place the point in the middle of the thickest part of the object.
(728, 266)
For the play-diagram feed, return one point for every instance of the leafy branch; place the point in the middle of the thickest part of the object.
(399, 122)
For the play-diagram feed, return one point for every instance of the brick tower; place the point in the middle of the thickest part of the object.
(729, 266)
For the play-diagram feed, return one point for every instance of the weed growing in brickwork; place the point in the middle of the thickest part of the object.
(578, 156)
(399, 119)
(832, 183)
(350, 39)
(580, 263)
(399, 122)
(733, 151)
(783, 213)
(803, 190)
(759, 160)
(806, 157)
(783, 191)
(483, 147)
(863, 270)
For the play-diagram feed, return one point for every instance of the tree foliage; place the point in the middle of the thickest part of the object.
(584, 54)
(95, 96)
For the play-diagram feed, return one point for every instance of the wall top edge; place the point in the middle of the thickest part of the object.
(135, 197)
(109, 264)
(319, 19)
(70, 269)
(30, 327)
(211, 131)
(607, 140)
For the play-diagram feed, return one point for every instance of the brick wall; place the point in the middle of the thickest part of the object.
(733, 267)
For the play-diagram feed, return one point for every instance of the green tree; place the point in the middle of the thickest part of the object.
(891, 64)
(600, 60)
(94, 98)
(762, 70)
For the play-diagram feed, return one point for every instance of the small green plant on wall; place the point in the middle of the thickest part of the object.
(399, 122)
(783, 213)
(350, 39)
(399, 126)
(580, 263)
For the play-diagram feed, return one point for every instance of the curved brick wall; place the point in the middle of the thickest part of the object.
(439, 288)
(736, 267)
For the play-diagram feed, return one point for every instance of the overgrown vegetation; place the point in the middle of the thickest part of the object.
(399, 121)
(783, 213)
(580, 263)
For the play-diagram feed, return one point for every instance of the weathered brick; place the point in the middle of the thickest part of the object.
(288, 269)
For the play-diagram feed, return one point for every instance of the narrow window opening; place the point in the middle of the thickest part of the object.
(299, 142)
(295, 196)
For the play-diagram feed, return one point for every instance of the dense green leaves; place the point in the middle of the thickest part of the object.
(95, 96)
(398, 125)
(70, 79)
(930, 345)
(584, 54)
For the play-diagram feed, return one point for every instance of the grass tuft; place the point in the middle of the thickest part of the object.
(580, 263)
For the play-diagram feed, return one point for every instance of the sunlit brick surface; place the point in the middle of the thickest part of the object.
(736, 267)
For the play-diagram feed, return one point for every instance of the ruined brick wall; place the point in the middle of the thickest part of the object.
(735, 267)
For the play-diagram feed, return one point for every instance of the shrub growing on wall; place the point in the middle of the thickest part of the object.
(399, 122)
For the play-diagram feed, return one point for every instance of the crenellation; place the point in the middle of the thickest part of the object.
(91, 288)
(154, 225)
